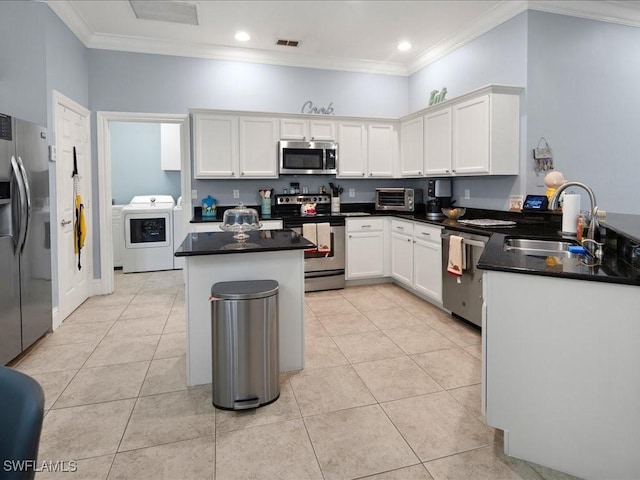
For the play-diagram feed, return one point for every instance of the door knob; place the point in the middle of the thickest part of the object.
(65, 222)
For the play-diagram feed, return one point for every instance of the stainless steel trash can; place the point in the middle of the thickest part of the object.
(244, 342)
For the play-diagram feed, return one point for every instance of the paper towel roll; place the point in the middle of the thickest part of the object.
(570, 212)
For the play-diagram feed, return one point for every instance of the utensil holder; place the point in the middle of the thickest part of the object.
(265, 206)
(335, 204)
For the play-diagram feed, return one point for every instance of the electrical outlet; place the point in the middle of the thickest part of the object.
(236, 194)
(194, 194)
(352, 192)
(467, 194)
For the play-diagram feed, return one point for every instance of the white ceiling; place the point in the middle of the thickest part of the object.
(343, 35)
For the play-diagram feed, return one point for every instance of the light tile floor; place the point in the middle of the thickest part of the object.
(391, 390)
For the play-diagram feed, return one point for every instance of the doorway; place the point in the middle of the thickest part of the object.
(105, 122)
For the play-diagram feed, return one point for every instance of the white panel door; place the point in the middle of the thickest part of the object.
(402, 258)
(258, 147)
(74, 274)
(352, 150)
(412, 148)
(381, 141)
(215, 146)
(365, 255)
(471, 136)
(437, 142)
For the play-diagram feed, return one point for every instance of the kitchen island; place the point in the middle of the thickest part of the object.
(217, 257)
(561, 347)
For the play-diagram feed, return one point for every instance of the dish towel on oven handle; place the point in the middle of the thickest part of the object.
(323, 233)
(457, 260)
(309, 232)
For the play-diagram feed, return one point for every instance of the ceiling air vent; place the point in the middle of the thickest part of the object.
(166, 11)
(287, 43)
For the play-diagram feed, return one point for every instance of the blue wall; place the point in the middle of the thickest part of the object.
(499, 57)
(584, 98)
(135, 163)
(132, 82)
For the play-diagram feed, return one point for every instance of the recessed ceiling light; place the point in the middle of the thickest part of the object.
(242, 37)
(404, 46)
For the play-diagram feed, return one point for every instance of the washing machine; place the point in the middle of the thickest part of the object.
(148, 234)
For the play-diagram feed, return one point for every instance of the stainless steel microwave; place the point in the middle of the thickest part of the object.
(398, 199)
(308, 158)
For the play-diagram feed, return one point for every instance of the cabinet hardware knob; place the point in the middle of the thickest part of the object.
(408, 239)
(366, 226)
(427, 234)
(419, 173)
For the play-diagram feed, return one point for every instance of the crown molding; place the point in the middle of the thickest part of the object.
(497, 15)
(215, 52)
(72, 19)
(612, 11)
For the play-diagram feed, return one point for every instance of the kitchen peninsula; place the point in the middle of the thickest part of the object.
(217, 257)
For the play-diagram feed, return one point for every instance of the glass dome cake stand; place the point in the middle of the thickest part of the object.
(240, 220)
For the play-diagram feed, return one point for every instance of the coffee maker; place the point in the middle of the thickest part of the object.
(438, 196)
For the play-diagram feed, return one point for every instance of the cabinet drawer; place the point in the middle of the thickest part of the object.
(367, 224)
(401, 226)
(427, 233)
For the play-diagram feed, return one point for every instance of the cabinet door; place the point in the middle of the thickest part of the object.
(322, 130)
(412, 148)
(437, 142)
(471, 136)
(365, 255)
(381, 141)
(258, 147)
(428, 268)
(215, 146)
(352, 150)
(402, 258)
(293, 129)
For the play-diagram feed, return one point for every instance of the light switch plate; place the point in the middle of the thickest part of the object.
(515, 202)
(53, 153)
(236, 194)
(352, 193)
(194, 194)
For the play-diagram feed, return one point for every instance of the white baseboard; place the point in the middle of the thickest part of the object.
(55, 319)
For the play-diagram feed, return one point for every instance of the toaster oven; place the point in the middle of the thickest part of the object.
(398, 199)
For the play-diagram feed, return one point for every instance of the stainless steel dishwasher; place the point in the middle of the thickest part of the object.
(463, 295)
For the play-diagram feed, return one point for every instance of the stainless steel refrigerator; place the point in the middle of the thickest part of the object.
(25, 247)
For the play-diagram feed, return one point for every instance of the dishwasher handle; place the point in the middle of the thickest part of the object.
(467, 241)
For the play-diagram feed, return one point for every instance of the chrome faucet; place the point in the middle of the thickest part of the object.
(593, 224)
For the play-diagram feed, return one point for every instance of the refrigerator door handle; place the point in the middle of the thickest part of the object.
(20, 239)
(27, 189)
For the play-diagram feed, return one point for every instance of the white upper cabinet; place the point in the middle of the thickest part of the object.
(352, 149)
(170, 146)
(258, 147)
(471, 152)
(412, 147)
(215, 145)
(382, 145)
(475, 134)
(437, 142)
(302, 129)
(366, 149)
(235, 146)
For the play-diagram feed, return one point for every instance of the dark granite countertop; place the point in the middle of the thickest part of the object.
(216, 243)
(620, 264)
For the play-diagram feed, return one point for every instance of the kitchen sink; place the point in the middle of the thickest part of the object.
(542, 248)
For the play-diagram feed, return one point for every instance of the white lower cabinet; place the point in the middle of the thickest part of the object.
(402, 251)
(365, 248)
(427, 261)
